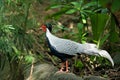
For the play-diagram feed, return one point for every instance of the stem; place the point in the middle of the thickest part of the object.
(1, 10)
(26, 14)
(31, 70)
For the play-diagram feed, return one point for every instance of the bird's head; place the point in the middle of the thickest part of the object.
(46, 26)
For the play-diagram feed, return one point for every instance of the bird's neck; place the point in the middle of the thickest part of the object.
(51, 38)
(48, 33)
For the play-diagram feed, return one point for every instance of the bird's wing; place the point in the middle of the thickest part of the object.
(65, 46)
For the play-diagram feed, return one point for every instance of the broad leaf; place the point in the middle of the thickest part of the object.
(53, 6)
(80, 28)
(101, 41)
(79, 64)
(71, 11)
(114, 36)
(77, 5)
(29, 58)
(57, 14)
(88, 5)
(98, 22)
(115, 5)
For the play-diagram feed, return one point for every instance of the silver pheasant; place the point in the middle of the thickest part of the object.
(64, 48)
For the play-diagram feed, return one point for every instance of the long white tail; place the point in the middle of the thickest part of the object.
(105, 54)
(91, 49)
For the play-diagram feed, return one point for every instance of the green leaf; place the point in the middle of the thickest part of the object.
(88, 5)
(104, 38)
(88, 11)
(103, 3)
(57, 14)
(79, 64)
(17, 52)
(98, 22)
(80, 29)
(83, 38)
(77, 4)
(83, 18)
(114, 36)
(115, 5)
(71, 11)
(53, 6)
(56, 6)
(29, 58)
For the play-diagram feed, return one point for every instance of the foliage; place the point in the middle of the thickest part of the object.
(81, 11)
(17, 42)
(99, 23)
(97, 11)
(79, 64)
(81, 35)
(79, 8)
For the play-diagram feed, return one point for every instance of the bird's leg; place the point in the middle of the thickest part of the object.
(66, 63)
(62, 66)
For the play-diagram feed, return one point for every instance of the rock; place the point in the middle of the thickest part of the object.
(43, 72)
(116, 59)
(50, 72)
(93, 78)
(65, 76)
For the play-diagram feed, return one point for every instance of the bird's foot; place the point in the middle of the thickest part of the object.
(67, 71)
(64, 67)
(62, 70)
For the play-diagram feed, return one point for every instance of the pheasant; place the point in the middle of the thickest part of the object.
(64, 48)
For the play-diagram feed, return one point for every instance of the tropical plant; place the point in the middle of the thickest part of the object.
(80, 9)
(17, 38)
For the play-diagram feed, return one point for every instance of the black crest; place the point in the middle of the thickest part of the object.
(49, 26)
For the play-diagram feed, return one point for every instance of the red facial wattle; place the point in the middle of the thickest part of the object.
(43, 28)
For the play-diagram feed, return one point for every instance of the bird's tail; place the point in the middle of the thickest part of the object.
(91, 49)
(105, 54)
(102, 53)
